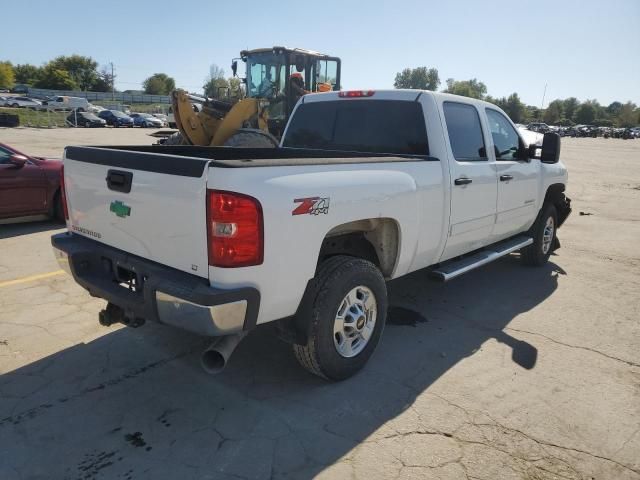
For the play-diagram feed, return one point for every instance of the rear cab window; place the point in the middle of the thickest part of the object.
(465, 132)
(370, 126)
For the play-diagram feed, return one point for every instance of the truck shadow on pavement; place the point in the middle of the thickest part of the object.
(9, 230)
(136, 404)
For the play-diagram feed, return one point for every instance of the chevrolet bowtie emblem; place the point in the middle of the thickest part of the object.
(120, 209)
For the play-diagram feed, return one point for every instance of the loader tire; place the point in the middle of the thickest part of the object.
(251, 138)
(175, 139)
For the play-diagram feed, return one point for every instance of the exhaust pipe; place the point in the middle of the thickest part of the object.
(215, 358)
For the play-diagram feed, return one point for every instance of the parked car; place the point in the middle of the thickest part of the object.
(163, 117)
(146, 120)
(4, 90)
(96, 108)
(68, 103)
(85, 119)
(356, 196)
(29, 186)
(116, 118)
(539, 127)
(26, 102)
(20, 88)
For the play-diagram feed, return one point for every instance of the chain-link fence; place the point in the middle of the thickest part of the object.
(41, 118)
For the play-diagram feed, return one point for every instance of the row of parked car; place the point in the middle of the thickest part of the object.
(84, 114)
(116, 118)
(591, 131)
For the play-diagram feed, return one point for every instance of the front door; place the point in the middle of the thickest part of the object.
(473, 180)
(517, 178)
(23, 190)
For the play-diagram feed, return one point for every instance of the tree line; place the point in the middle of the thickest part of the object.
(565, 112)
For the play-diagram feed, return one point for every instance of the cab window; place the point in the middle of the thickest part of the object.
(506, 141)
(465, 132)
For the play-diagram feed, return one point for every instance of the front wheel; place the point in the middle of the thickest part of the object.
(347, 310)
(543, 232)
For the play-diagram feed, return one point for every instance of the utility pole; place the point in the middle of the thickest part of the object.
(113, 82)
(542, 104)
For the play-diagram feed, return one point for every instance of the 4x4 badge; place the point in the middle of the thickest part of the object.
(120, 209)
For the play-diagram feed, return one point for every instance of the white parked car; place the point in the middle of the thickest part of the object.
(369, 186)
(27, 102)
(68, 103)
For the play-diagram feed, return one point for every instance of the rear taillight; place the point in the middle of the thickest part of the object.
(234, 229)
(63, 195)
(356, 93)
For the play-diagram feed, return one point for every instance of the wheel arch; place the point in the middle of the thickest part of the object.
(374, 239)
(555, 196)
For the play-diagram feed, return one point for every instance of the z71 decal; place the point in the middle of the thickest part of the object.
(311, 206)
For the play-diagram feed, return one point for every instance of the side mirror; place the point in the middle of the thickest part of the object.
(234, 68)
(550, 148)
(18, 160)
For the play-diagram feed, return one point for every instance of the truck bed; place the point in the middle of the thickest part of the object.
(193, 158)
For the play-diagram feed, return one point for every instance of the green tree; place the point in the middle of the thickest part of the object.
(104, 81)
(614, 109)
(512, 106)
(420, 78)
(83, 70)
(159, 84)
(27, 74)
(570, 106)
(7, 77)
(467, 88)
(554, 112)
(627, 116)
(585, 114)
(55, 79)
(216, 86)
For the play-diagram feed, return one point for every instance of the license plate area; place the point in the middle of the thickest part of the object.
(124, 275)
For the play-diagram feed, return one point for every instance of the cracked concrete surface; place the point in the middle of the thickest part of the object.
(516, 374)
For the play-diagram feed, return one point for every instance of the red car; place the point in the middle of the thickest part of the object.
(29, 186)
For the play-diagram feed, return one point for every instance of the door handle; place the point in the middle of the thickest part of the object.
(506, 178)
(462, 181)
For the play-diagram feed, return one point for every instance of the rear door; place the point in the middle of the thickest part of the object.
(23, 190)
(473, 180)
(147, 204)
(517, 178)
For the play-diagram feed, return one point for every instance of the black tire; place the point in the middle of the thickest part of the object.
(538, 253)
(57, 213)
(335, 278)
(175, 139)
(251, 138)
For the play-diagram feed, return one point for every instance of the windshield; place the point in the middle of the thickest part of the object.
(377, 126)
(265, 74)
(118, 113)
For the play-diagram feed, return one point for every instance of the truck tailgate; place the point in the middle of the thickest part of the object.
(147, 204)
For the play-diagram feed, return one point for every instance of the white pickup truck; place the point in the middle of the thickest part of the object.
(368, 186)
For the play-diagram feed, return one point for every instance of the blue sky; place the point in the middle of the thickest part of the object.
(587, 49)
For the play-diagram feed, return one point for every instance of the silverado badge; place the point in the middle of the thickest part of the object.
(120, 209)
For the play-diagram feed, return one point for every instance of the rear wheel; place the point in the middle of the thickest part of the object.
(58, 211)
(544, 237)
(347, 311)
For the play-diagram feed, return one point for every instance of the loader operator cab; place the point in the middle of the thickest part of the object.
(281, 76)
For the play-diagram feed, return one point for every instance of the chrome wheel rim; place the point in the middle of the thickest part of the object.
(355, 321)
(547, 235)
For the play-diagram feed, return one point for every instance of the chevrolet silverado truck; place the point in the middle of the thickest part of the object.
(366, 186)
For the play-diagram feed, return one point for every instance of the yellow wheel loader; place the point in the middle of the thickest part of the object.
(275, 79)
